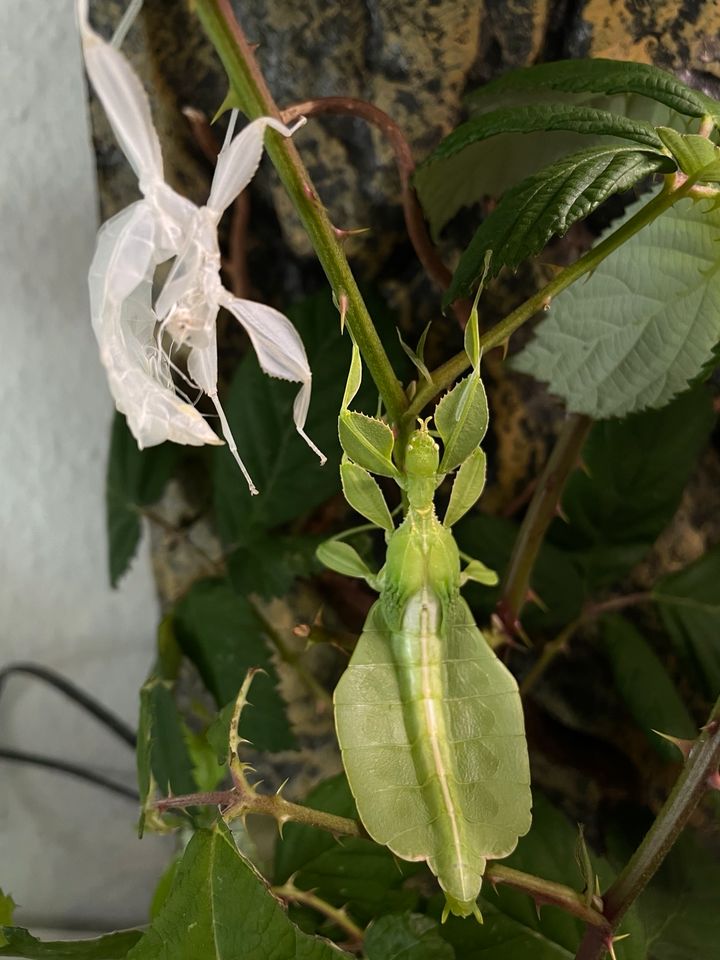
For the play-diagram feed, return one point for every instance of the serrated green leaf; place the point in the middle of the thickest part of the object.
(163, 758)
(467, 487)
(545, 117)
(342, 558)
(135, 478)
(201, 917)
(269, 565)
(406, 936)
(356, 872)
(637, 469)
(368, 442)
(222, 635)
(547, 204)
(696, 156)
(607, 77)
(364, 495)
(689, 604)
(645, 686)
(461, 418)
(641, 328)
(113, 946)
(207, 770)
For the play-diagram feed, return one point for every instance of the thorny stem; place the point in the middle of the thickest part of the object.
(336, 915)
(559, 644)
(405, 163)
(292, 659)
(543, 507)
(445, 375)
(675, 813)
(249, 87)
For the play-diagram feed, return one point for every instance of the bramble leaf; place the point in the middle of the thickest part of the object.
(113, 946)
(135, 478)
(201, 916)
(604, 76)
(696, 156)
(646, 686)
(219, 631)
(689, 604)
(356, 872)
(643, 325)
(547, 204)
(406, 936)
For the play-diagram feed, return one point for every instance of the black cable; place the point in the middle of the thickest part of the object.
(74, 693)
(74, 770)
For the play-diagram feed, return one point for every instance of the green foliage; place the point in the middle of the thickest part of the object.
(642, 327)
(607, 77)
(352, 871)
(220, 632)
(135, 479)
(270, 565)
(406, 936)
(635, 472)
(689, 603)
(220, 907)
(696, 156)
(163, 758)
(113, 946)
(646, 686)
(547, 204)
(7, 907)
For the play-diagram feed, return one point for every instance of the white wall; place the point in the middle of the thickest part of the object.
(68, 853)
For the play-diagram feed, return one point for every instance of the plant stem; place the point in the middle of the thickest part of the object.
(547, 892)
(559, 644)
(687, 793)
(543, 507)
(253, 96)
(288, 891)
(446, 374)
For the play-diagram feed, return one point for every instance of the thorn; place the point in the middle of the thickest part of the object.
(684, 746)
(309, 192)
(254, 46)
(343, 304)
(505, 345)
(344, 234)
(581, 465)
(546, 304)
(282, 786)
(713, 780)
(561, 513)
(302, 630)
(532, 597)
(538, 904)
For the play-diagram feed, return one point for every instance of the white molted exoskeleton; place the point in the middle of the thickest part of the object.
(136, 336)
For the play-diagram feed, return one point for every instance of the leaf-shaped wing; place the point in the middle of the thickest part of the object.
(431, 730)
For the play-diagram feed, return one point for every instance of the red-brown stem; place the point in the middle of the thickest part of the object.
(689, 789)
(405, 163)
(543, 506)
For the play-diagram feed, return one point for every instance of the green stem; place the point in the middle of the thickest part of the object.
(253, 96)
(543, 507)
(689, 789)
(336, 915)
(446, 374)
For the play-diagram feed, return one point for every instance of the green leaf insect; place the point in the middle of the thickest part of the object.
(429, 721)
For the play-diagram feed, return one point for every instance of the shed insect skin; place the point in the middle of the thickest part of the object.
(428, 719)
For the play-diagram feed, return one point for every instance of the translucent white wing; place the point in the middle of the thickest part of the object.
(279, 350)
(125, 103)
